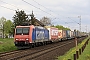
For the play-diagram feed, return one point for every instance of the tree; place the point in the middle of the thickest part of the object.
(20, 18)
(8, 27)
(2, 22)
(46, 21)
(61, 27)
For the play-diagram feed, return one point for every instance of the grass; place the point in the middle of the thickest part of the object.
(7, 44)
(84, 56)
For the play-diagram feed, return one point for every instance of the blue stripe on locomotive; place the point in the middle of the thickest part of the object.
(40, 34)
(33, 35)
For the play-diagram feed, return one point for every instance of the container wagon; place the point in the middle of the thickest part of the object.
(53, 33)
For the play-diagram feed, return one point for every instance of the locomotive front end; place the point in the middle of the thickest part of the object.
(21, 36)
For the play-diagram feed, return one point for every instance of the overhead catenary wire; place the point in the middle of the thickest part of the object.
(74, 21)
(33, 6)
(43, 10)
(8, 3)
(46, 8)
(7, 8)
(18, 7)
(40, 9)
(36, 7)
(21, 8)
(42, 5)
(13, 5)
(53, 12)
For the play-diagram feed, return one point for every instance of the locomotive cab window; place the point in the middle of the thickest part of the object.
(18, 31)
(25, 31)
(22, 31)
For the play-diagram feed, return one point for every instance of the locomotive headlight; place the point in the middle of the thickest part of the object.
(16, 39)
(26, 39)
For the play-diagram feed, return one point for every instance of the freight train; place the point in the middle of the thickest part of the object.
(30, 36)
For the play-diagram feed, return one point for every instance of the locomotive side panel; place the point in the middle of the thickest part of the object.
(40, 35)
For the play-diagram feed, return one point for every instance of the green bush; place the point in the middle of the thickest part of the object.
(7, 45)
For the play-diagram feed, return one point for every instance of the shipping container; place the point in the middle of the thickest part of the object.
(64, 33)
(61, 34)
(77, 34)
(74, 33)
(68, 34)
(71, 34)
(53, 33)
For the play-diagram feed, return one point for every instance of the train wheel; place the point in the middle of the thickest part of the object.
(32, 45)
(43, 43)
(36, 44)
(61, 40)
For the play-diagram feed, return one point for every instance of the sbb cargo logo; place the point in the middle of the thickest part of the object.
(39, 34)
(54, 32)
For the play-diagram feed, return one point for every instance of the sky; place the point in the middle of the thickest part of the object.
(67, 13)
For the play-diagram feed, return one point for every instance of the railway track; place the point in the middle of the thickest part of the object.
(41, 52)
(8, 53)
(30, 54)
